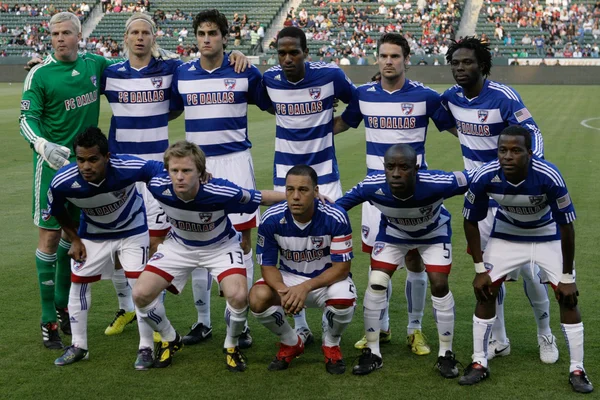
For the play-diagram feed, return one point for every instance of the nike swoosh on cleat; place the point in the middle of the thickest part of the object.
(496, 351)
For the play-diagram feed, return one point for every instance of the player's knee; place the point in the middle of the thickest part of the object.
(439, 286)
(413, 262)
(378, 281)
(48, 240)
(140, 298)
(260, 298)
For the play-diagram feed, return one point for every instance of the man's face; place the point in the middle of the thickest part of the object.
(465, 69)
(139, 38)
(209, 38)
(65, 39)
(392, 64)
(400, 174)
(513, 156)
(291, 58)
(300, 194)
(91, 163)
(185, 177)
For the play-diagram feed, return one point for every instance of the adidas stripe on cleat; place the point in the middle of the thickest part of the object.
(62, 315)
(50, 336)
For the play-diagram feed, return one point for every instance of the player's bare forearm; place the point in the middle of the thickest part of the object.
(68, 226)
(567, 241)
(270, 197)
(473, 239)
(339, 125)
(338, 271)
(272, 277)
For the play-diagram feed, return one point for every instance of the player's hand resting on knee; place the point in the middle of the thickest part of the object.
(77, 251)
(293, 298)
(482, 287)
(566, 294)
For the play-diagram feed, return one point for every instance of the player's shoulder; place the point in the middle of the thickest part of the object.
(125, 161)
(369, 87)
(547, 170)
(420, 87)
(116, 69)
(333, 212)
(488, 172)
(319, 65)
(65, 176)
(272, 72)
(187, 67)
(220, 187)
(38, 70)
(452, 91)
(274, 214)
(503, 92)
(435, 176)
(373, 179)
(159, 181)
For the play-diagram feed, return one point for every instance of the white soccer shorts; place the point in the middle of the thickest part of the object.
(175, 261)
(101, 255)
(436, 257)
(157, 218)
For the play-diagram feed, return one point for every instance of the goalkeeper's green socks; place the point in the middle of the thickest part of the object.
(63, 275)
(44, 264)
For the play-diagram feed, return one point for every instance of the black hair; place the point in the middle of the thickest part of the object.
(293, 32)
(517, 130)
(397, 39)
(214, 16)
(404, 149)
(481, 50)
(90, 138)
(303, 170)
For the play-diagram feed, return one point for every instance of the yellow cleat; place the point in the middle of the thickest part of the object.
(122, 318)
(418, 343)
(156, 337)
(384, 337)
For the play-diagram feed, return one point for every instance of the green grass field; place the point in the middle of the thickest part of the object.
(27, 370)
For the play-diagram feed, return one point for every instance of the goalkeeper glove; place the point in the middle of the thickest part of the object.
(55, 155)
(164, 54)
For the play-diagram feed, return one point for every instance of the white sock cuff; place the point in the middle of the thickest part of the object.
(375, 299)
(248, 256)
(268, 312)
(477, 320)
(144, 310)
(236, 311)
(572, 327)
(443, 303)
(416, 276)
(341, 312)
(64, 244)
(48, 257)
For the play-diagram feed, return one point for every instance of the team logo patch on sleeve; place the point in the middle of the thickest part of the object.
(470, 197)
(246, 196)
(25, 105)
(522, 115)
(378, 248)
(365, 231)
(260, 240)
(564, 201)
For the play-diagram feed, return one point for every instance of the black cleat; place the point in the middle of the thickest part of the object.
(580, 382)
(474, 373)
(62, 314)
(447, 365)
(334, 361)
(245, 340)
(367, 363)
(197, 334)
(51, 337)
(234, 359)
(167, 349)
(285, 355)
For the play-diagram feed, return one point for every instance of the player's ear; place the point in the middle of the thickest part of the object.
(316, 191)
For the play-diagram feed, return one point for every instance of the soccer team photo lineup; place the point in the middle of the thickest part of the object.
(171, 193)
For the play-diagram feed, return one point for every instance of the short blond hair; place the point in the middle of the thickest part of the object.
(184, 149)
(139, 16)
(64, 17)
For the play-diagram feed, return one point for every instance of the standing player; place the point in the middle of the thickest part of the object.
(302, 95)
(533, 226)
(480, 109)
(215, 99)
(113, 225)
(413, 217)
(314, 244)
(395, 110)
(60, 99)
(201, 236)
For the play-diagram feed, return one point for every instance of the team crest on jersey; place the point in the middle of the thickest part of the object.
(314, 93)
(407, 108)
(317, 241)
(157, 82)
(482, 115)
(378, 248)
(229, 84)
(93, 79)
(426, 210)
(25, 105)
(205, 217)
(536, 200)
(365, 231)
(156, 256)
(119, 194)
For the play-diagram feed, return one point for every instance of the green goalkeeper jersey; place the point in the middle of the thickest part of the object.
(62, 99)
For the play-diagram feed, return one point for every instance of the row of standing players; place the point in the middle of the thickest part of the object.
(144, 92)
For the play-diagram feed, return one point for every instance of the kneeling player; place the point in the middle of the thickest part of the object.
(113, 225)
(315, 244)
(533, 226)
(413, 218)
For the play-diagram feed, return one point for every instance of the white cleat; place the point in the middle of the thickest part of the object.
(498, 349)
(548, 349)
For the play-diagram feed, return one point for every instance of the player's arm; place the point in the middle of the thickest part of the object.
(460, 183)
(353, 197)
(174, 114)
(267, 253)
(517, 114)
(270, 197)
(344, 89)
(350, 118)
(442, 117)
(239, 61)
(272, 277)
(56, 208)
(257, 92)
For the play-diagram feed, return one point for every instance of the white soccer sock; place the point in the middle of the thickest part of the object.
(482, 328)
(337, 321)
(300, 320)
(249, 263)
(538, 298)
(385, 318)
(201, 284)
(80, 300)
(443, 313)
(123, 289)
(372, 323)
(274, 320)
(499, 329)
(235, 320)
(574, 338)
(154, 314)
(144, 329)
(415, 291)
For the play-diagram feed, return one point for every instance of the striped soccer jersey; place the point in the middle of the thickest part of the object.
(528, 211)
(111, 209)
(140, 101)
(418, 219)
(394, 117)
(304, 118)
(304, 249)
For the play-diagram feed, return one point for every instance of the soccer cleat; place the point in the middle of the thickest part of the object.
(50, 336)
(156, 337)
(548, 349)
(167, 349)
(285, 355)
(418, 343)
(367, 363)
(334, 362)
(197, 334)
(384, 337)
(71, 355)
(62, 314)
(245, 340)
(234, 359)
(498, 349)
(446, 364)
(144, 360)
(306, 336)
(122, 318)
(474, 373)
(580, 382)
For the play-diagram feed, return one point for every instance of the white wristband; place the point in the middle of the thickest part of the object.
(480, 268)
(567, 279)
